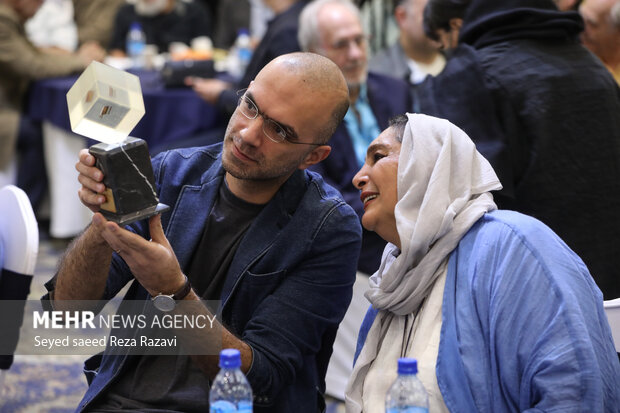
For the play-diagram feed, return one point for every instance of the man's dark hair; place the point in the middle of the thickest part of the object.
(398, 123)
(335, 119)
(438, 13)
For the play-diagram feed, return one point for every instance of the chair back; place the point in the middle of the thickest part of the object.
(19, 233)
(19, 245)
(612, 310)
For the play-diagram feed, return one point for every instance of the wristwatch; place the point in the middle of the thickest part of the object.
(167, 303)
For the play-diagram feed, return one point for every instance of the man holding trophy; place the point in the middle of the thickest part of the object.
(247, 225)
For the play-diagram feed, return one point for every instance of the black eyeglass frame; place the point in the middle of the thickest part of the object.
(244, 97)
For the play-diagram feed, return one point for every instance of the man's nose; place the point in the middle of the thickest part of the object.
(355, 50)
(252, 133)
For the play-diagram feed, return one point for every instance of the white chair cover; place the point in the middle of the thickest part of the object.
(19, 233)
(612, 310)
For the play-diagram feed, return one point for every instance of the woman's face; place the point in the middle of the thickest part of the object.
(377, 183)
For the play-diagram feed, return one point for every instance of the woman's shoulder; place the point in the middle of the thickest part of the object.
(503, 243)
(506, 225)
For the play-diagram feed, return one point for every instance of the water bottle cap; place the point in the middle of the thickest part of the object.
(243, 31)
(407, 366)
(230, 358)
(135, 26)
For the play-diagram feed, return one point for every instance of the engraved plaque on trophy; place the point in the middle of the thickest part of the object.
(105, 104)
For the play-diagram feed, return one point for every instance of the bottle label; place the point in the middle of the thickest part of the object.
(223, 406)
(244, 407)
(135, 48)
(407, 410)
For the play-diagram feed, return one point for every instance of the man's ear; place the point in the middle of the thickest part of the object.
(315, 156)
(400, 14)
(456, 23)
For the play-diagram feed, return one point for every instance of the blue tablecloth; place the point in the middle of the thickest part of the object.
(171, 114)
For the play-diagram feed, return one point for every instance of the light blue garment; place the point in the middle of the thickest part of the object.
(365, 132)
(524, 327)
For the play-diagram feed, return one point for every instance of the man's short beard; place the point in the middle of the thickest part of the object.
(356, 84)
(261, 174)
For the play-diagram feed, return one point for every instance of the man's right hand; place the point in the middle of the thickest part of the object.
(91, 193)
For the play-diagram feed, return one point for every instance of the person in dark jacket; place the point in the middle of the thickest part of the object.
(333, 28)
(543, 110)
(280, 38)
(163, 21)
(250, 228)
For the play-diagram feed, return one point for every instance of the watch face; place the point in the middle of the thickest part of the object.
(164, 302)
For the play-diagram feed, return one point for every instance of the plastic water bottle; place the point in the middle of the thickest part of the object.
(240, 54)
(230, 391)
(244, 48)
(407, 394)
(136, 43)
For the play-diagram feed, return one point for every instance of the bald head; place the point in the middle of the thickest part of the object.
(602, 29)
(318, 78)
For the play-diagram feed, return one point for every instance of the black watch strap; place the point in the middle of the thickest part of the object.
(182, 292)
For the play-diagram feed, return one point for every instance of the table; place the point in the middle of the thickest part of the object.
(171, 114)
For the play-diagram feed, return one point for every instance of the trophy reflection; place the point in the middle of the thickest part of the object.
(105, 104)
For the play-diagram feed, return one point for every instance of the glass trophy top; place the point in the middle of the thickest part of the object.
(105, 103)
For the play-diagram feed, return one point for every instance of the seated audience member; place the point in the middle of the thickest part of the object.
(234, 15)
(95, 19)
(280, 38)
(52, 27)
(20, 63)
(501, 315)
(602, 32)
(543, 110)
(333, 28)
(162, 21)
(413, 56)
(250, 227)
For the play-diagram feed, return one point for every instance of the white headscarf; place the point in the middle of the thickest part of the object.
(443, 185)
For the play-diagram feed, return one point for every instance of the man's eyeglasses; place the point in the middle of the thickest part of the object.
(272, 129)
(344, 44)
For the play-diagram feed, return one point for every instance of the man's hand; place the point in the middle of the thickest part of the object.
(91, 193)
(90, 51)
(153, 262)
(208, 89)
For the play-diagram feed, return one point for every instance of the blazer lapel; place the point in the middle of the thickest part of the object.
(189, 217)
(264, 230)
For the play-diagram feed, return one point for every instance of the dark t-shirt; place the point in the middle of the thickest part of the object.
(186, 22)
(174, 383)
(228, 221)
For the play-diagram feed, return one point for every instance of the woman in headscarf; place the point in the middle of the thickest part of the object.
(501, 315)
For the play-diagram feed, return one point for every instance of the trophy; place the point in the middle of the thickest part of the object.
(105, 104)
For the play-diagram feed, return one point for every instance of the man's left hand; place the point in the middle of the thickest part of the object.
(153, 262)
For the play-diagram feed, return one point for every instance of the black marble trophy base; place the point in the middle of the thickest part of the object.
(128, 177)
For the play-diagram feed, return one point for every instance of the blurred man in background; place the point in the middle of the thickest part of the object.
(333, 28)
(543, 110)
(162, 21)
(20, 63)
(413, 56)
(94, 20)
(602, 32)
(280, 38)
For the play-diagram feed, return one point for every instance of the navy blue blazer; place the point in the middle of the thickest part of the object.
(286, 291)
